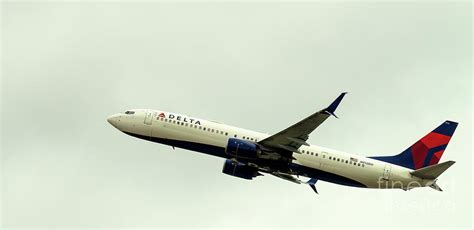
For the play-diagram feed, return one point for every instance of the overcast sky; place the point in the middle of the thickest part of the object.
(264, 66)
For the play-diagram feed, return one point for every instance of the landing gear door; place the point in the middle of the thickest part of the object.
(386, 172)
(148, 117)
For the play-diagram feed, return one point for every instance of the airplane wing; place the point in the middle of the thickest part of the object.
(311, 182)
(291, 138)
(286, 176)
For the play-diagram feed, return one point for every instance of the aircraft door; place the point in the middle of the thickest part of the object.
(386, 172)
(323, 159)
(148, 117)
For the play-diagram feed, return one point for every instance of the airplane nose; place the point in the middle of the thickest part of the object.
(110, 119)
(113, 120)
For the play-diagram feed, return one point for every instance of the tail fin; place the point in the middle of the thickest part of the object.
(425, 152)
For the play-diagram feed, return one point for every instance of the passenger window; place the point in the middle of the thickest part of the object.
(226, 133)
(329, 158)
(235, 135)
(204, 128)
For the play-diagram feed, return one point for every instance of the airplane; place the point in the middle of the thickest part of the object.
(288, 155)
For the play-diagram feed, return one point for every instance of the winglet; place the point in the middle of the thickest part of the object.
(312, 183)
(332, 108)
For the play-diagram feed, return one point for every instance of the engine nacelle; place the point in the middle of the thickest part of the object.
(238, 169)
(241, 149)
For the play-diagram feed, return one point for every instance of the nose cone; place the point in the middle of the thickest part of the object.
(114, 120)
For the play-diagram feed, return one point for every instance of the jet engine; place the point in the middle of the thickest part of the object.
(238, 169)
(241, 149)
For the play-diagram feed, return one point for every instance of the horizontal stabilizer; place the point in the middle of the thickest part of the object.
(432, 172)
(436, 187)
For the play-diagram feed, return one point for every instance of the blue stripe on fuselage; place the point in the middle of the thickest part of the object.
(220, 152)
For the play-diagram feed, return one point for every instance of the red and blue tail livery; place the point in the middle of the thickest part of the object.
(425, 152)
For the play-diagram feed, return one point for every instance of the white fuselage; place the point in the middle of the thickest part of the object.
(174, 128)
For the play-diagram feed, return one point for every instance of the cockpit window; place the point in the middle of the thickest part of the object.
(129, 112)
